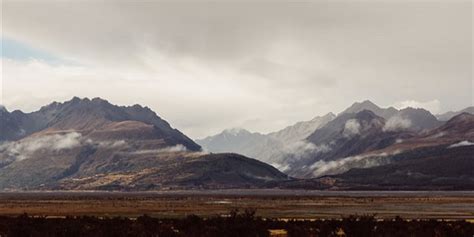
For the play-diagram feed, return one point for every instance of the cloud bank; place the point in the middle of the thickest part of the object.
(252, 62)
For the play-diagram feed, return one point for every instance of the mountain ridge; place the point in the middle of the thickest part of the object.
(85, 144)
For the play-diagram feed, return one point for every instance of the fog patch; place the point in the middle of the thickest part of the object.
(333, 167)
(438, 135)
(460, 144)
(171, 149)
(112, 144)
(22, 149)
(303, 149)
(396, 123)
(295, 152)
(352, 127)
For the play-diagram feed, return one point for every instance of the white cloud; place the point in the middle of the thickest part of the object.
(434, 106)
(352, 127)
(301, 149)
(396, 123)
(462, 143)
(171, 149)
(322, 167)
(251, 62)
(22, 149)
(111, 144)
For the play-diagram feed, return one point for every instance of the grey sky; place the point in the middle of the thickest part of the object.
(206, 66)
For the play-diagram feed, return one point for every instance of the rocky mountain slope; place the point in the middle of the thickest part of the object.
(296, 149)
(415, 119)
(440, 159)
(348, 135)
(92, 144)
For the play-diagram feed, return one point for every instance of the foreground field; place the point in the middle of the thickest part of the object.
(281, 204)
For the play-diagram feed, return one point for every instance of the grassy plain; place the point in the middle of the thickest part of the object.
(282, 204)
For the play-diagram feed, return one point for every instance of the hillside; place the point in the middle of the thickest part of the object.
(92, 144)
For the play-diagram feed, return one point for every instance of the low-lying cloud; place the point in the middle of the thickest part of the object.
(396, 123)
(296, 151)
(462, 143)
(22, 149)
(171, 149)
(111, 144)
(352, 127)
(333, 167)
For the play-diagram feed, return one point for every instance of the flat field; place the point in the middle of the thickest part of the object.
(282, 204)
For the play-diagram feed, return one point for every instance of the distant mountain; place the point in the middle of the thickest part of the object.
(92, 144)
(349, 134)
(341, 144)
(440, 159)
(414, 119)
(235, 140)
(408, 118)
(10, 129)
(301, 130)
(296, 148)
(448, 115)
(271, 148)
(368, 105)
(98, 117)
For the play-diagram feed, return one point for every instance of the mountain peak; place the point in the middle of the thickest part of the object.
(385, 113)
(91, 116)
(367, 102)
(329, 115)
(235, 131)
(359, 106)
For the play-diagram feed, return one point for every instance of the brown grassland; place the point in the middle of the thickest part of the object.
(215, 213)
(268, 204)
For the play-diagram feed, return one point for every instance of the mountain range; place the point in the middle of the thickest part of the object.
(362, 126)
(91, 144)
(270, 148)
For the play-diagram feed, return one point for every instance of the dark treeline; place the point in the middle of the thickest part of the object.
(236, 224)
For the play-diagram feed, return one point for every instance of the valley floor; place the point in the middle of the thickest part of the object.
(281, 204)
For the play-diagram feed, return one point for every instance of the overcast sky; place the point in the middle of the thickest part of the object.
(207, 66)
